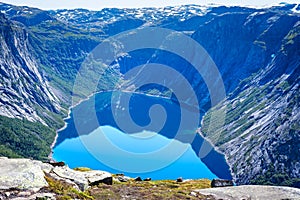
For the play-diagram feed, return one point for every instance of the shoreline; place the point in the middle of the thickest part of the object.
(50, 157)
(216, 148)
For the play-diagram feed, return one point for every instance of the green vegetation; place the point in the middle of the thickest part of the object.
(238, 116)
(290, 39)
(7, 152)
(69, 47)
(272, 177)
(243, 111)
(22, 138)
(52, 119)
(60, 50)
(64, 190)
(82, 169)
(163, 189)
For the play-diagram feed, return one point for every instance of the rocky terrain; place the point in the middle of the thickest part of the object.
(251, 192)
(24, 89)
(262, 123)
(255, 49)
(31, 179)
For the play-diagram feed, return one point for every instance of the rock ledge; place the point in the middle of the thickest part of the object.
(253, 192)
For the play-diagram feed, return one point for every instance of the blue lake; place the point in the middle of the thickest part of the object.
(94, 138)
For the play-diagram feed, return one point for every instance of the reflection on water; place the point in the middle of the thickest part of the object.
(75, 154)
(103, 145)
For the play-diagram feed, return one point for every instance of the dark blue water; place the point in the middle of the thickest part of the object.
(100, 143)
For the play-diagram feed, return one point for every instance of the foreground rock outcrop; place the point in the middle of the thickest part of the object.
(26, 179)
(23, 174)
(253, 192)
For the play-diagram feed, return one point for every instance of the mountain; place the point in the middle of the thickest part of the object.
(262, 118)
(255, 49)
(24, 89)
(262, 111)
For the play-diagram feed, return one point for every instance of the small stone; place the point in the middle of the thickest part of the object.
(147, 179)
(179, 180)
(193, 194)
(7, 194)
(24, 193)
(138, 178)
(123, 178)
(57, 164)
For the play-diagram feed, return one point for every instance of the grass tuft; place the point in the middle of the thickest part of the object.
(65, 191)
(82, 169)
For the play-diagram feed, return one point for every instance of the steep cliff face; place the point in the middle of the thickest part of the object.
(24, 89)
(261, 137)
(57, 48)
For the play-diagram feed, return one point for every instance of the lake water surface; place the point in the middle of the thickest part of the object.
(102, 144)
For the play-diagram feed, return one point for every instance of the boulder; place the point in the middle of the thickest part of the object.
(138, 178)
(22, 174)
(75, 176)
(95, 177)
(122, 178)
(179, 180)
(221, 183)
(83, 179)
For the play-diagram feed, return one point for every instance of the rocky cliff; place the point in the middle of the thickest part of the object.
(262, 122)
(25, 91)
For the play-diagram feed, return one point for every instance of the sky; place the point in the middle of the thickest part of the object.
(97, 5)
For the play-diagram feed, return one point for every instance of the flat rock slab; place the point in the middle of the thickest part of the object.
(83, 179)
(253, 192)
(22, 174)
(76, 176)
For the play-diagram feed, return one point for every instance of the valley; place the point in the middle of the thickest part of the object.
(256, 51)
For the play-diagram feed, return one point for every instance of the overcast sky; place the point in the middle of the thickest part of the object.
(96, 5)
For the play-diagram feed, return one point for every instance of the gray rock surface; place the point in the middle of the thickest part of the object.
(77, 177)
(25, 178)
(253, 192)
(95, 177)
(22, 82)
(22, 174)
(27, 195)
(83, 179)
(221, 183)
